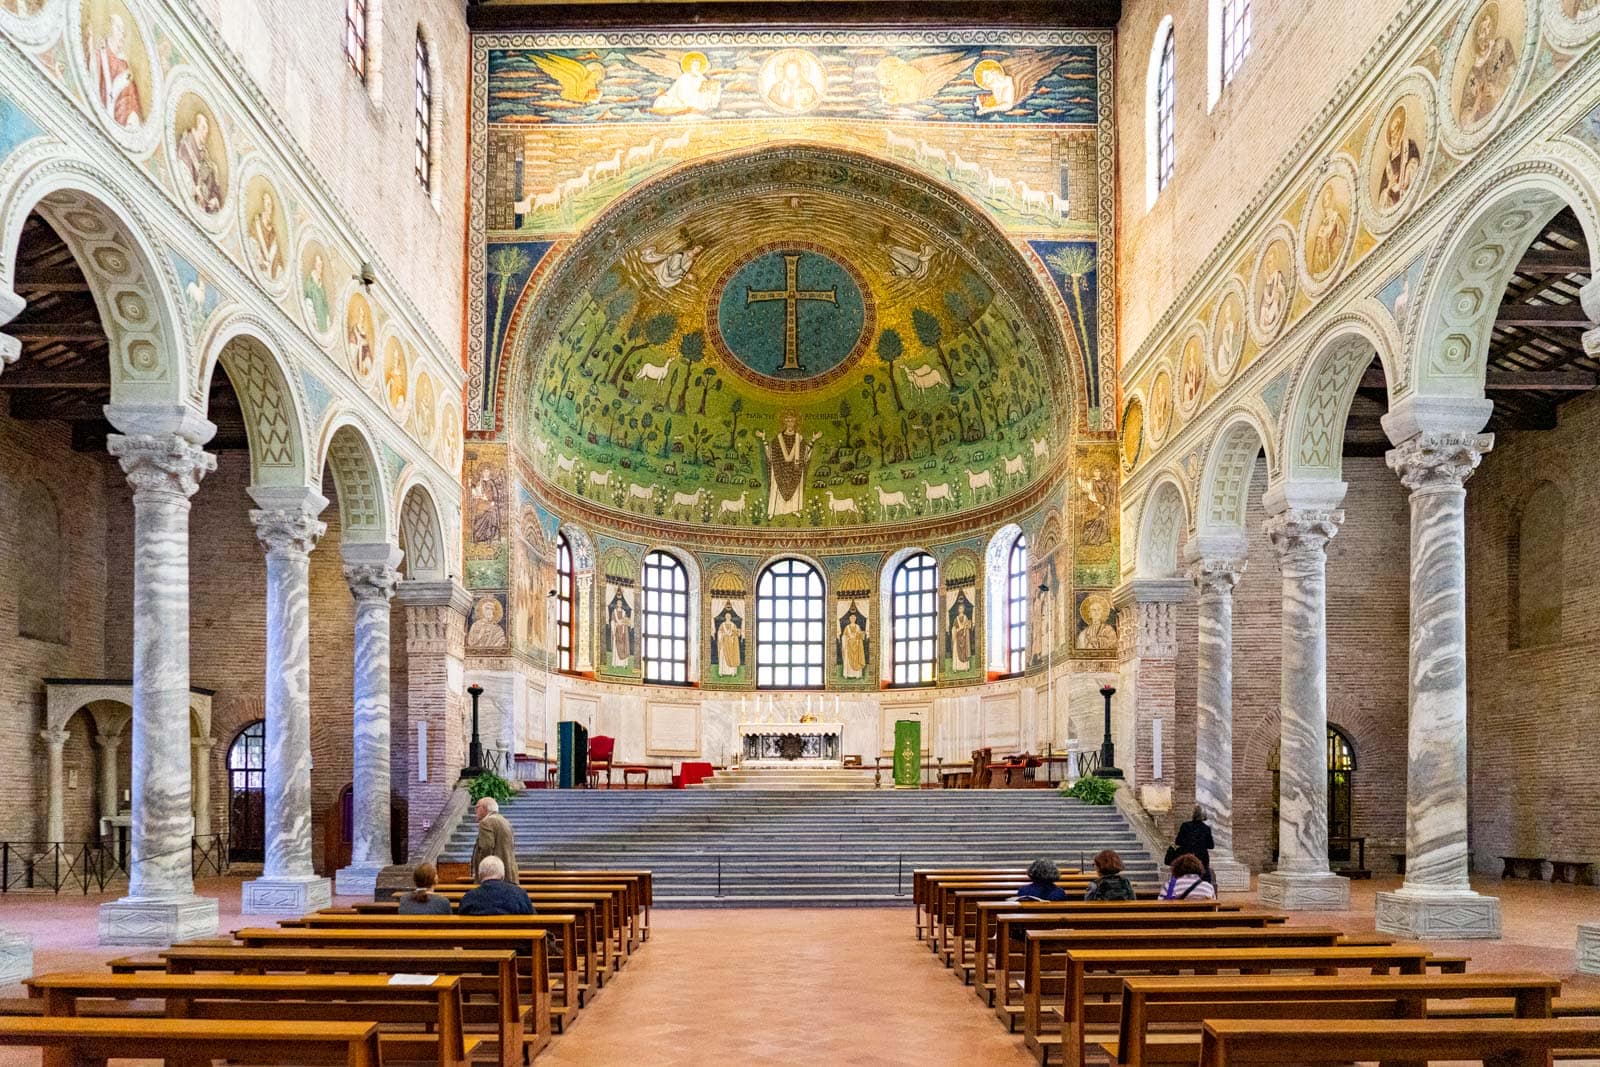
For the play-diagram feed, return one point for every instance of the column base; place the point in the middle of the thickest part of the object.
(1304, 891)
(1589, 948)
(157, 920)
(286, 896)
(16, 957)
(357, 880)
(1438, 915)
(1231, 875)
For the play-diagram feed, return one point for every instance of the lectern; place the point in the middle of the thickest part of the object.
(572, 755)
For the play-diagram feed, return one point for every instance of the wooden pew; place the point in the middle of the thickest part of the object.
(987, 910)
(643, 881)
(324, 998)
(620, 922)
(922, 876)
(1524, 1042)
(563, 931)
(68, 1041)
(1015, 999)
(942, 910)
(1100, 971)
(1187, 1002)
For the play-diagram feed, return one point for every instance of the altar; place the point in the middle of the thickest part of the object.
(791, 744)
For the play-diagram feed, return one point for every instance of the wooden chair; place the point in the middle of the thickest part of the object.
(601, 749)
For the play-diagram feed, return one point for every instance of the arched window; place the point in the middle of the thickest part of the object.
(1160, 107)
(423, 83)
(1535, 570)
(789, 640)
(247, 761)
(41, 575)
(1017, 606)
(355, 35)
(915, 614)
(1232, 41)
(564, 602)
(666, 620)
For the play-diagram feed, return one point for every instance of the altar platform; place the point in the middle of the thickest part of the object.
(763, 776)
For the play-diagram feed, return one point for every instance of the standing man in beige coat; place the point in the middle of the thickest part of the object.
(494, 839)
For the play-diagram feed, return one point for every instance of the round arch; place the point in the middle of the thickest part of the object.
(426, 555)
(150, 353)
(345, 447)
(1230, 464)
(1165, 517)
(274, 412)
(1314, 440)
(1495, 226)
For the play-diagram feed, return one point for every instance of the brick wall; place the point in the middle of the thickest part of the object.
(39, 453)
(1532, 714)
(361, 145)
(1225, 155)
(1368, 634)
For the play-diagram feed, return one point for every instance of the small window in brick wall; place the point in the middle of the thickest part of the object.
(41, 574)
(1534, 569)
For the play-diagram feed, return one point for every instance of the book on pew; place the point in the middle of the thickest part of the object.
(413, 979)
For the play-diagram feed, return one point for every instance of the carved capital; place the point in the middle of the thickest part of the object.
(293, 530)
(1148, 630)
(161, 463)
(1438, 460)
(371, 582)
(56, 739)
(1215, 577)
(1301, 535)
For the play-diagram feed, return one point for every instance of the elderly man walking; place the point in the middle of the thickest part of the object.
(494, 839)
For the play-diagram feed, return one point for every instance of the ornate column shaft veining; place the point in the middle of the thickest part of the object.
(1437, 900)
(1214, 580)
(1303, 879)
(288, 883)
(164, 470)
(372, 584)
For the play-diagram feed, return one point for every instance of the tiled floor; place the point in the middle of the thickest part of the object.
(824, 986)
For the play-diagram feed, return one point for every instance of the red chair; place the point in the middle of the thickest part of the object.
(692, 774)
(601, 750)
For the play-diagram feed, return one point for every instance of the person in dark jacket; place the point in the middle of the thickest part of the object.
(1042, 875)
(425, 901)
(1109, 884)
(1194, 837)
(495, 895)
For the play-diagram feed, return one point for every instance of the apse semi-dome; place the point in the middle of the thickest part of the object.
(793, 338)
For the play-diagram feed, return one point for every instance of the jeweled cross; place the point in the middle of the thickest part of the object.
(791, 295)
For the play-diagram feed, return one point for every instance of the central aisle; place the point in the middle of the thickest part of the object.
(776, 986)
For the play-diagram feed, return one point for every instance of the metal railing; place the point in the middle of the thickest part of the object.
(87, 866)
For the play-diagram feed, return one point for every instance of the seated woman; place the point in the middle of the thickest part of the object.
(1109, 884)
(1188, 881)
(424, 901)
(1042, 875)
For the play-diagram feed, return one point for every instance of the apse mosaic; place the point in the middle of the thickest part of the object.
(567, 128)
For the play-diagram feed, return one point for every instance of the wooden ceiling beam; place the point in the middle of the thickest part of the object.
(59, 280)
(30, 406)
(77, 374)
(1560, 316)
(1515, 381)
(1552, 261)
(55, 331)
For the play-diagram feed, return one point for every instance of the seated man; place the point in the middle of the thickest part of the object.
(495, 895)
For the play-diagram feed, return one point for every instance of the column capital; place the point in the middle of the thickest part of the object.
(1146, 626)
(1300, 536)
(1216, 576)
(371, 582)
(202, 744)
(55, 738)
(108, 742)
(1438, 460)
(291, 530)
(415, 593)
(168, 463)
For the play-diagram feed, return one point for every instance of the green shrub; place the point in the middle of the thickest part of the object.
(1091, 790)
(489, 784)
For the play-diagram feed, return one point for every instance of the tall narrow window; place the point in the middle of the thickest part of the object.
(1235, 36)
(424, 116)
(563, 603)
(355, 35)
(914, 603)
(666, 620)
(1165, 106)
(1017, 607)
(789, 638)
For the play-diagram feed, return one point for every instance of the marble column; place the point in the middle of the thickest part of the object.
(1303, 880)
(583, 625)
(288, 528)
(109, 745)
(1436, 900)
(1147, 648)
(1214, 579)
(200, 756)
(436, 637)
(371, 571)
(165, 469)
(55, 818)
